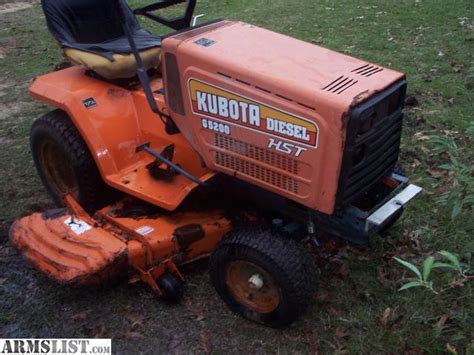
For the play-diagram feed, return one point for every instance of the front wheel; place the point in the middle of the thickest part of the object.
(263, 277)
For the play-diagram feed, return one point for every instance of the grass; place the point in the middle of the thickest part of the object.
(358, 309)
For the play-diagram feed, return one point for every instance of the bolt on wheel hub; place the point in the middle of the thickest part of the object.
(256, 281)
(252, 286)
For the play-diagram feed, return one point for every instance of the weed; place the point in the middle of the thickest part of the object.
(458, 273)
(461, 194)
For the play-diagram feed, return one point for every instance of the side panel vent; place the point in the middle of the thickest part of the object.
(257, 171)
(340, 85)
(257, 153)
(367, 70)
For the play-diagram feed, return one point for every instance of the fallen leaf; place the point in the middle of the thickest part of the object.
(415, 238)
(198, 311)
(450, 133)
(443, 188)
(442, 320)
(426, 151)
(436, 173)
(451, 349)
(397, 322)
(410, 351)
(206, 342)
(100, 332)
(420, 122)
(342, 332)
(334, 311)
(2, 281)
(416, 163)
(343, 271)
(80, 316)
(433, 112)
(385, 316)
(340, 350)
(421, 137)
(458, 68)
(134, 336)
(135, 319)
(312, 343)
(322, 296)
(382, 277)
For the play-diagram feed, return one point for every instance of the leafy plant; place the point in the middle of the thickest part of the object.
(452, 263)
(422, 278)
(449, 264)
(461, 194)
(470, 129)
(470, 78)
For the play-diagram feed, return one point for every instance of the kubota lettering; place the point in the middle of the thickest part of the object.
(225, 108)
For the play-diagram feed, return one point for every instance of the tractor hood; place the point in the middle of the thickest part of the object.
(289, 68)
(273, 110)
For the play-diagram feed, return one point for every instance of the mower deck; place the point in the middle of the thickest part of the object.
(74, 248)
(70, 251)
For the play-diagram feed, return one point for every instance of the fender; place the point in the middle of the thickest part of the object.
(113, 122)
(103, 113)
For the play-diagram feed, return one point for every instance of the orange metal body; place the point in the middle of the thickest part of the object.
(113, 129)
(285, 80)
(74, 248)
(265, 108)
(289, 81)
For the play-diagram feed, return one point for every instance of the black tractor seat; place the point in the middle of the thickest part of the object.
(91, 34)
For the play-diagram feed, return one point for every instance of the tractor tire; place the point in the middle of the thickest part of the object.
(263, 277)
(65, 164)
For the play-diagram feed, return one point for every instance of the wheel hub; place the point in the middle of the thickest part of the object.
(256, 282)
(252, 286)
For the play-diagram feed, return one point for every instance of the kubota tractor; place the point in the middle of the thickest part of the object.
(223, 140)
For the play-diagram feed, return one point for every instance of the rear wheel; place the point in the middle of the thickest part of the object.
(263, 277)
(64, 162)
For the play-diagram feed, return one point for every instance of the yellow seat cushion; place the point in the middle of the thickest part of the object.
(123, 66)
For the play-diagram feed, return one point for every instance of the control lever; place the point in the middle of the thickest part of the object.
(146, 148)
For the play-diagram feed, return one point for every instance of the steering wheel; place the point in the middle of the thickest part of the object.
(176, 23)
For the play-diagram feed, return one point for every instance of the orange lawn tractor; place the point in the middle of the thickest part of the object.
(223, 140)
